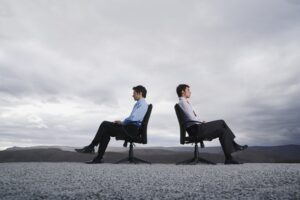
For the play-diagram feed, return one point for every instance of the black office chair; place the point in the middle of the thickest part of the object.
(188, 139)
(141, 138)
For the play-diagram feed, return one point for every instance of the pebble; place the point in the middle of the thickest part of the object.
(156, 181)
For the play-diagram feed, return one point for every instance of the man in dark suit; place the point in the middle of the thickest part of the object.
(207, 130)
(119, 128)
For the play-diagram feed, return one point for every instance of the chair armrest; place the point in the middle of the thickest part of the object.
(133, 123)
(202, 144)
(191, 121)
(125, 143)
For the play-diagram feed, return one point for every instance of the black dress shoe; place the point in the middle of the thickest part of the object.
(86, 149)
(96, 160)
(232, 162)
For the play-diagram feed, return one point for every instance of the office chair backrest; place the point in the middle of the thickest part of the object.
(180, 114)
(143, 128)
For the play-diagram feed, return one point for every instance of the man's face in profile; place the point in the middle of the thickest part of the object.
(186, 93)
(136, 96)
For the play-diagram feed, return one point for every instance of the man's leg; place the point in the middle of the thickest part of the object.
(104, 126)
(108, 130)
(219, 129)
(103, 144)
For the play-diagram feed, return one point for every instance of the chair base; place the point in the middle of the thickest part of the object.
(196, 159)
(131, 158)
(134, 160)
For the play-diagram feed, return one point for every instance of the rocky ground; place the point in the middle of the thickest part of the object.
(156, 181)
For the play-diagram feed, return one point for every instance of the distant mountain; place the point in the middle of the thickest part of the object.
(274, 154)
(64, 148)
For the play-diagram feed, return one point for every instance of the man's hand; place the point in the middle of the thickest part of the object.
(117, 122)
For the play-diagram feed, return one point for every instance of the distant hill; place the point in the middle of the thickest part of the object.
(273, 154)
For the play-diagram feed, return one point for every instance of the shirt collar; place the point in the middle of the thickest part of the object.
(140, 100)
(182, 99)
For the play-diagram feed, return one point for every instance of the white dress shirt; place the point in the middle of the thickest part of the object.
(137, 114)
(189, 113)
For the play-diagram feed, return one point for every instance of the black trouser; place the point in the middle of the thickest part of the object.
(212, 130)
(111, 129)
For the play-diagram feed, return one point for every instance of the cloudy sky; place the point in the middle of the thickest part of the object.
(67, 65)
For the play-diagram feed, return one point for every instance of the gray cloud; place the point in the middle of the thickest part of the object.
(65, 66)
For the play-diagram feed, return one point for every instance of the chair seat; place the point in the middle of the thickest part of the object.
(137, 139)
(192, 139)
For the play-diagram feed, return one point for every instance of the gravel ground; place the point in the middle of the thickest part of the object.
(156, 181)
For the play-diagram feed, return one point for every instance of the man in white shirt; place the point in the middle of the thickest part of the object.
(207, 130)
(118, 128)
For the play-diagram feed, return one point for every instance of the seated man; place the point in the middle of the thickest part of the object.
(207, 130)
(118, 128)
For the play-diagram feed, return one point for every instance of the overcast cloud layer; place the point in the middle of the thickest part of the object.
(65, 66)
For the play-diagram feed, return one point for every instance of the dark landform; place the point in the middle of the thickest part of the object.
(255, 154)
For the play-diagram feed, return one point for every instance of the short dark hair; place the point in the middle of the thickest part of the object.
(180, 88)
(140, 89)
